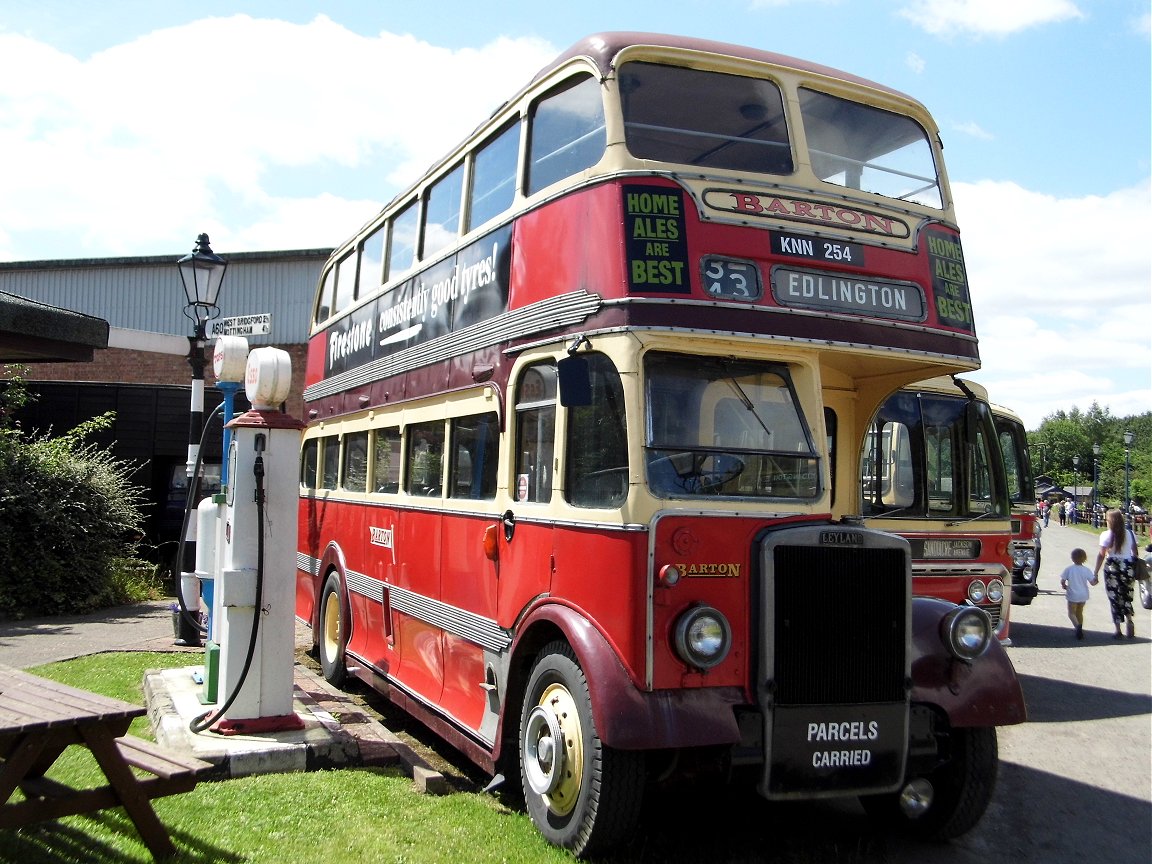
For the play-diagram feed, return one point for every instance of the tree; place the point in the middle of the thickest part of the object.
(1065, 434)
(68, 516)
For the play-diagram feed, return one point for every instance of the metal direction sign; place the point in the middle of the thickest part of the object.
(241, 325)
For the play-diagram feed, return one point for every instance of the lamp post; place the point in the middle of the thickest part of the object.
(1075, 486)
(1128, 436)
(1095, 483)
(202, 274)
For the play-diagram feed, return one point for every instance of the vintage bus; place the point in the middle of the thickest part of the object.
(932, 472)
(566, 486)
(1022, 491)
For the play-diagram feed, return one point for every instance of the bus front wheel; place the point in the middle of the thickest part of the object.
(582, 795)
(332, 638)
(962, 788)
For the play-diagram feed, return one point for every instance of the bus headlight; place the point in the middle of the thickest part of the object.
(976, 591)
(966, 631)
(995, 591)
(703, 637)
(1024, 559)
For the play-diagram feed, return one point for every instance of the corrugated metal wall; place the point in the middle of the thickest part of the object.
(146, 293)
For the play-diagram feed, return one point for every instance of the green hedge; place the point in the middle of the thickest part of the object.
(69, 519)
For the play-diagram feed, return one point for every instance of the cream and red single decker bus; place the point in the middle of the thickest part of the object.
(567, 491)
(933, 472)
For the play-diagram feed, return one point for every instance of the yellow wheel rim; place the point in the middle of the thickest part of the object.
(330, 627)
(566, 755)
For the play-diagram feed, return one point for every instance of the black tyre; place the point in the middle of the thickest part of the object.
(332, 636)
(582, 795)
(1145, 593)
(962, 789)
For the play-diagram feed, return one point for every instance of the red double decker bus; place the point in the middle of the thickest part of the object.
(568, 486)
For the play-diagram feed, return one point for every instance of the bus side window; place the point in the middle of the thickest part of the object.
(308, 460)
(386, 471)
(326, 296)
(567, 133)
(830, 427)
(596, 463)
(403, 231)
(442, 212)
(355, 474)
(345, 283)
(425, 460)
(535, 433)
(329, 462)
(371, 274)
(475, 451)
(494, 176)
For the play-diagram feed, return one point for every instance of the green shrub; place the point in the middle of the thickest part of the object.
(68, 518)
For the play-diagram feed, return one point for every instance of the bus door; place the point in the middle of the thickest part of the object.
(413, 591)
(472, 641)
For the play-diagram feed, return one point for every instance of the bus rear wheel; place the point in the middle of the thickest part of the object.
(581, 795)
(332, 639)
(961, 790)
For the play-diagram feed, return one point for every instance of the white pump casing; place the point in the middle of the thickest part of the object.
(266, 690)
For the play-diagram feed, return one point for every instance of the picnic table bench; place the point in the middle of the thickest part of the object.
(39, 719)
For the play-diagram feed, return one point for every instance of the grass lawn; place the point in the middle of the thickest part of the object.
(349, 815)
(371, 815)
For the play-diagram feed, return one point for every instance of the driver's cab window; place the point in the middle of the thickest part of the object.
(722, 426)
(535, 433)
(938, 444)
(980, 481)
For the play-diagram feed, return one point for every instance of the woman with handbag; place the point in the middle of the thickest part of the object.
(1117, 551)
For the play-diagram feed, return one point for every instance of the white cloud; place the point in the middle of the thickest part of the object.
(1062, 298)
(974, 130)
(994, 17)
(915, 62)
(139, 143)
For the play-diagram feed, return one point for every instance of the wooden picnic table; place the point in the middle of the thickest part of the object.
(39, 719)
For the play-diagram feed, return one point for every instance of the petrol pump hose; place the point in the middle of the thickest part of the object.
(199, 724)
(189, 504)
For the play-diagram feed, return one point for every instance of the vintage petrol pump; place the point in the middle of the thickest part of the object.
(254, 587)
(229, 363)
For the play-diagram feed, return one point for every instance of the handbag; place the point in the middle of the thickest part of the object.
(1139, 565)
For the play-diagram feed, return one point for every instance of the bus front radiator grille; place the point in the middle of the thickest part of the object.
(840, 625)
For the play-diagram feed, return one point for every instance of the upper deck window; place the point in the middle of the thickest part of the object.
(494, 176)
(704, 119)
(869, 149)
(567, 133)
(442, 212)
(404, 231)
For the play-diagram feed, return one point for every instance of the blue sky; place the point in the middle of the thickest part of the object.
(130, 127)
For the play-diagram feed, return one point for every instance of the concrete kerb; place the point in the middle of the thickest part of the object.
(336, 733)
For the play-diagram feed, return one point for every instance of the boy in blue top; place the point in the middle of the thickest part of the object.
(1075, 581)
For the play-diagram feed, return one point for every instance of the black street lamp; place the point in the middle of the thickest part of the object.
(1128, 436)
(1095, 483)
(202, 274)
(1075, 486)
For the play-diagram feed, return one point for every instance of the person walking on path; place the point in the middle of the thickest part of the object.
(1075, 581)
(1117, 549)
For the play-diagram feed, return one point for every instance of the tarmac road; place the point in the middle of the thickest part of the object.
(1075, 781)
